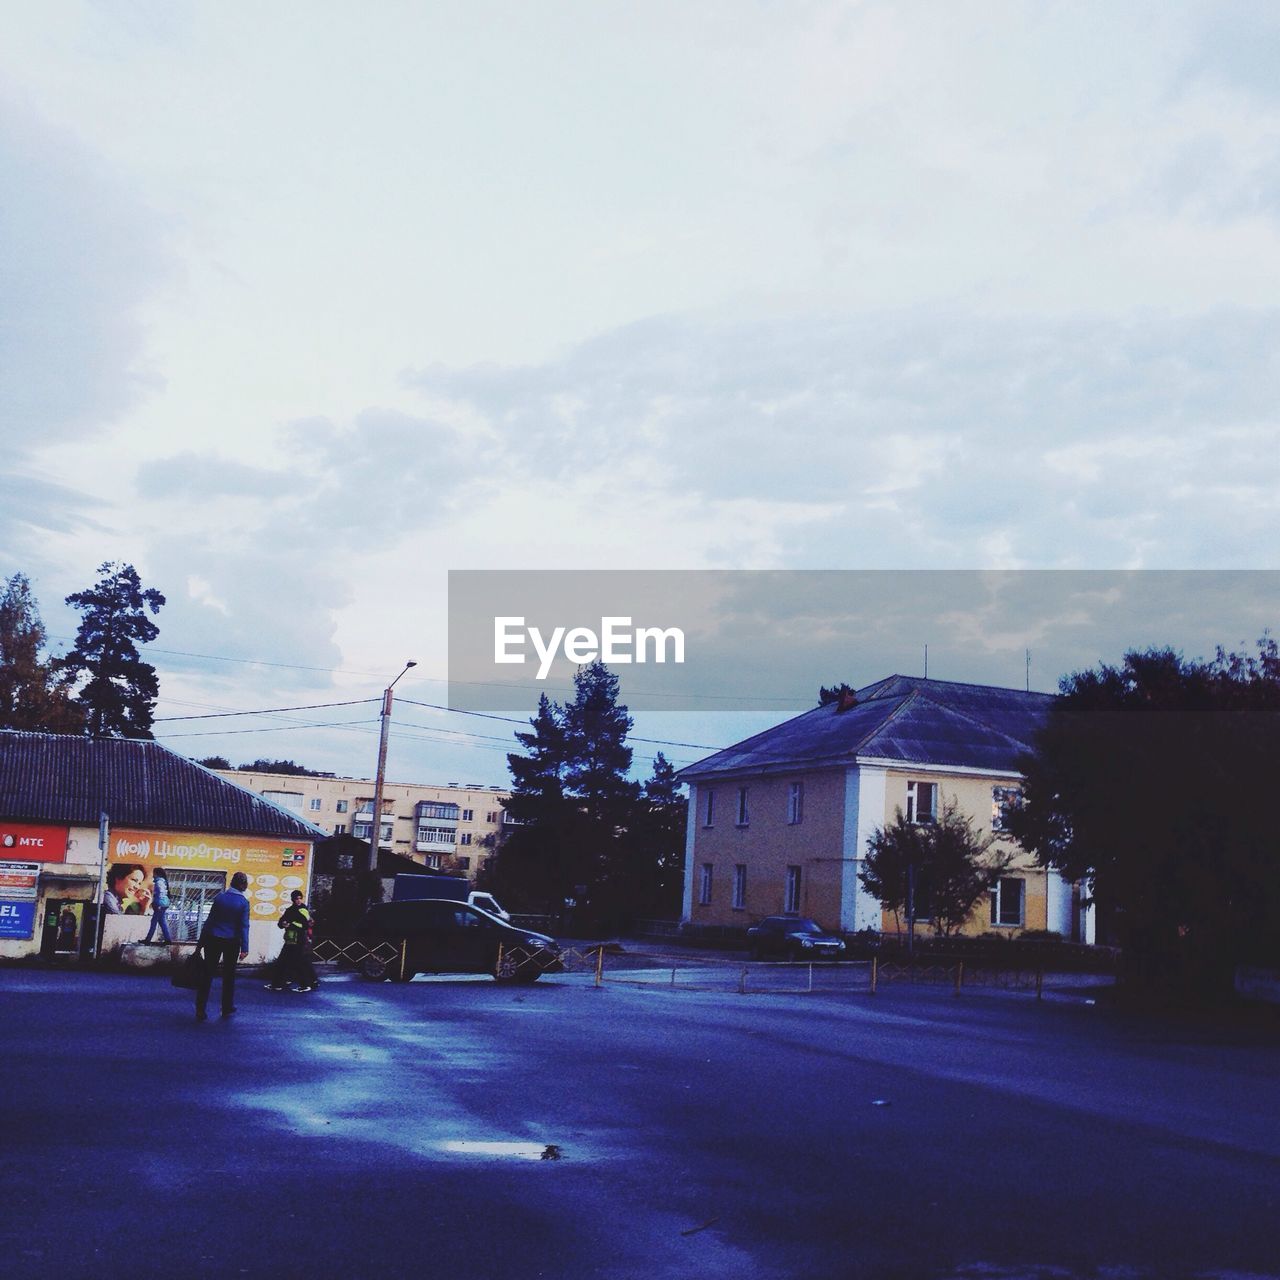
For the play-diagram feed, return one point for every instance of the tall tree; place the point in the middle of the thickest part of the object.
(1150, 782)
(33, 693)
(656, 843)
(530, 868)
(119, 694)
(573, 807)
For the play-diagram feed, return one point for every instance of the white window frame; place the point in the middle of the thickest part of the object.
(914, 789)
(340, 806)
(704, 884)
(709, 814)
(997, 903)
(791, 892)
(740, 887)
(795, 803)
(315, 804)
(744, 810)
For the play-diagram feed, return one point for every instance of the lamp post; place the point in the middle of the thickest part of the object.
(375, 827)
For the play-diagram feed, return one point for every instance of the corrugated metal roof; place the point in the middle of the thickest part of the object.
(901, 718)
(49, 777)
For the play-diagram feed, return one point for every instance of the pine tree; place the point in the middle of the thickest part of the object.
(528, 870)
(33, 694)
(120, 693)
(656, 843)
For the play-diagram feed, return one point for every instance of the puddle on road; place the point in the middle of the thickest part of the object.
(511, 1150)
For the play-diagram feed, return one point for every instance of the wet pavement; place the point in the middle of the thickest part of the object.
(558, 1130)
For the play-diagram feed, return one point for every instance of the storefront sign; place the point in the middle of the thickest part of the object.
(274, 867)
(33, 840)
(19, 887)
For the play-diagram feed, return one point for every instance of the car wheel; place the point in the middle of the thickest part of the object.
(508, 969)
(375, 968)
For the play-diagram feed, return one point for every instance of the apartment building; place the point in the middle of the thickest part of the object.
(446, 827)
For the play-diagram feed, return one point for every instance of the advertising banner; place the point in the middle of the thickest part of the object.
(19, 887)
(34, 840)
(274, 867)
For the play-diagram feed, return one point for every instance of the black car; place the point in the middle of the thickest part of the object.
(792, 938)
(442, 936)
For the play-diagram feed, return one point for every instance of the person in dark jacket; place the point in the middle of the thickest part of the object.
(294, 961)
(223, 941)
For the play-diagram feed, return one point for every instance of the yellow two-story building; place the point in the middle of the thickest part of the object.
(779, 823)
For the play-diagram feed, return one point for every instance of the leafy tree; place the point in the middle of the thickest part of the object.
(215, 762)
(277, 766)
(120, 692)
(937, 870)
(1151, 783)
(33, 693)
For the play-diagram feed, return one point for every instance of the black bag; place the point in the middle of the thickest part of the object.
(188, 974)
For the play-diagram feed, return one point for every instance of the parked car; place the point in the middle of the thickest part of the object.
(445, 936)
(792, 938)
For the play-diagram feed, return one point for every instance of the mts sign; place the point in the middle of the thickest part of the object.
(34, 841)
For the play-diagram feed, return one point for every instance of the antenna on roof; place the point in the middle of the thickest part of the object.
(1028, 670)
(926, 662)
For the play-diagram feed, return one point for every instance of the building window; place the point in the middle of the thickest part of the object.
(463, 864)
(922, 801)
(436, 835)
(744, 817)
(710, 817)
(428, 809)
(467, 815)
(465, 838)
(341, 806)
(1008, 901)
(491, 817)
(704, 885)
(291, 800)
(739, 887)
(1003, 801)
(190, 895)
(795, 802)
(791, 898)
(339, 828)
(361, 831)
(314, 804)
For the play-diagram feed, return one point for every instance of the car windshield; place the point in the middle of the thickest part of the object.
(805, 926)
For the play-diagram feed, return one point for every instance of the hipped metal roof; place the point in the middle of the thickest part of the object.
(64, 778)
(901, 719)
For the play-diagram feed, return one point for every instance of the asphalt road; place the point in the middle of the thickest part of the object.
(387, 1131)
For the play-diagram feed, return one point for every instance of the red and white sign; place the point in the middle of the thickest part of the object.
(33, 840)
(19, 879)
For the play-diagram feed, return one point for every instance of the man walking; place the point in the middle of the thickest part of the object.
(224, 940)
(294, 962)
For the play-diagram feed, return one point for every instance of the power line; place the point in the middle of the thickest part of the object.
(267, 711)
(485, 715)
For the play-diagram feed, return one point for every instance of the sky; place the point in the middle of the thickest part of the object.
(303, 305)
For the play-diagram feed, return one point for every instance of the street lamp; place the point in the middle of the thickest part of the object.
(375, 828)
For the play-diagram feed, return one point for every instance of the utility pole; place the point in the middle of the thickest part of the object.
(375, 827)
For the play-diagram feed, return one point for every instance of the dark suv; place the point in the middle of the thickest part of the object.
(441, 936)
(792, 938)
